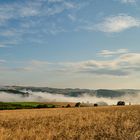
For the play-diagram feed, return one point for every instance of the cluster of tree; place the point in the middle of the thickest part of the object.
(78, 104)
(121, 103)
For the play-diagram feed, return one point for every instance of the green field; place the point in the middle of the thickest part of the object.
(24, 105)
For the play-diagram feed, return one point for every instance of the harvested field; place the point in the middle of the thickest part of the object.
(91, 123)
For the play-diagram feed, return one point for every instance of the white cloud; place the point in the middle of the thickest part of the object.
(117, 23)
(131, 59)
(108, 53)
(123, 65)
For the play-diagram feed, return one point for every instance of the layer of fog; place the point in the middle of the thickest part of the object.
(48, 97)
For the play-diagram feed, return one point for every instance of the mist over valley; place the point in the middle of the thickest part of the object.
(46, 94)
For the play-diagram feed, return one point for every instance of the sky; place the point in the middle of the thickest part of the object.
(70, 43)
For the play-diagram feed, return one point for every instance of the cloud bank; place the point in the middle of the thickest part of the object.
(124, 64)
(119, 63)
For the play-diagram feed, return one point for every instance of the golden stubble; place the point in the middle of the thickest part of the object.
(90, 123)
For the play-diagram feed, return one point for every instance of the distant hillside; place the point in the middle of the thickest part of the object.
(14, 91)
(68, 92)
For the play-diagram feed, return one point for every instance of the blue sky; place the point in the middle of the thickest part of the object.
(70, 43)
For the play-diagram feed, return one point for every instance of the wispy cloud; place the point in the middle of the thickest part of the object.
(8, 43)
(108, 53)
(113, 24)
(118, 23)
(7, 33)
(20, 20)
(33, 8)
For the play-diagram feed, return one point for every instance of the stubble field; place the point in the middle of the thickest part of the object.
(91, 123)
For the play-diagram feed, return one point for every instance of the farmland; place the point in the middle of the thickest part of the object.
(24, 105)
(87, 123)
